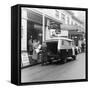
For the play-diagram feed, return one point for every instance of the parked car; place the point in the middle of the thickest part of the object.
(61, 49)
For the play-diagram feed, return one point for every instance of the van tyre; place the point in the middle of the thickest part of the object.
(49, 61)
(64, 60)
(74, 57)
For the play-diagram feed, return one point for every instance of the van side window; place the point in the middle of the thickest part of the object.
(66, 43)
(70, 43)
(62, 42)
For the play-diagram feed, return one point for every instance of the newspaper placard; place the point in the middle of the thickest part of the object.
(25, 59)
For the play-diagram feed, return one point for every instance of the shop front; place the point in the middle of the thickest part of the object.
(31, 32)
(52, 28)
(36, 27)
(73, 33)
(76, 36)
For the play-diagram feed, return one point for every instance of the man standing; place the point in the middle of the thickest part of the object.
(30, 47)
(82, 46)
(44, 54)
(35, 45)
(36, 50)
(79, 45)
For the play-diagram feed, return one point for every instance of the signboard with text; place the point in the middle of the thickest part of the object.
(25, 59)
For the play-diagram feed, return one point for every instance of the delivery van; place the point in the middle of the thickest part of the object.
(62, 49)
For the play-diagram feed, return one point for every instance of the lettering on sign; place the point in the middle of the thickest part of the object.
(25, 59)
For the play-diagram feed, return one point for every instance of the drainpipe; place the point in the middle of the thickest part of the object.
(43, 27)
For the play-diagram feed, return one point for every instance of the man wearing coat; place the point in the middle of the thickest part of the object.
(44, 53)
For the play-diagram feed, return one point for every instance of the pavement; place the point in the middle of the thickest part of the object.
(68, 71)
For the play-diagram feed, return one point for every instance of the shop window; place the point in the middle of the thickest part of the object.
(66, 43)
(34, 31)
(62, 42)
(22, 31)
(57, 14)
(53, 25)
(68, 20)
(72, 23)
(63, 17)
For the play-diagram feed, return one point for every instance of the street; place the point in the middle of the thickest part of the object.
(68, 71)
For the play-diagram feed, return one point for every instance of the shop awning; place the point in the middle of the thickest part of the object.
(75, 33)
(69, 27)
(34, 16)
(53, 19)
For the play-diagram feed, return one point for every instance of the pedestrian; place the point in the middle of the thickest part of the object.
(30, 46)
(36, 49)
(44, 54)
(82, 47)
(79, 45)
(34, 55)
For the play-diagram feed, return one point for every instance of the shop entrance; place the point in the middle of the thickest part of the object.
(34, 32)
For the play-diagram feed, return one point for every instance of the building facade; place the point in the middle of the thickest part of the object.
(44, 24)
(73, 25)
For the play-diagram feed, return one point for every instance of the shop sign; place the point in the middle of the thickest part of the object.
(53, 25)
(34, 17)
(62, 33)
(25, 59)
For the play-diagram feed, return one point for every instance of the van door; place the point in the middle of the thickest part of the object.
(59, 45)
(52, 47)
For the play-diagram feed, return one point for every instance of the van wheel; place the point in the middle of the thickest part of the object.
(74, 57)
(50, 61)
(64, 60)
